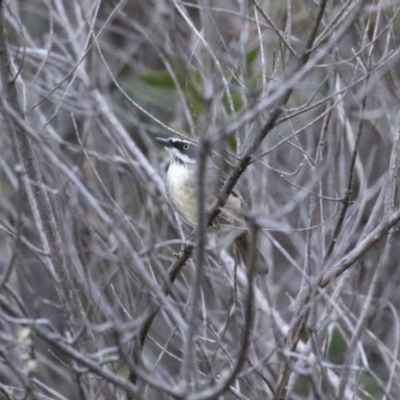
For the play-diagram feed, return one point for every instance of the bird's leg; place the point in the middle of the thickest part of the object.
(184, 246)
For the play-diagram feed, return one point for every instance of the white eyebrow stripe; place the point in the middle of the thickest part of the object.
(183, 157)
(174, 141)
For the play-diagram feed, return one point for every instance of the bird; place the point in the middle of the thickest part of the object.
(181, 187)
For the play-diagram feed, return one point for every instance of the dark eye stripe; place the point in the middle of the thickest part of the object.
(180, 144)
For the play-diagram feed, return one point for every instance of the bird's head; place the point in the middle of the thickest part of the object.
(181, 150)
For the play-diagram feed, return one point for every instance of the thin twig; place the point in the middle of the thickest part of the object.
(39, 201)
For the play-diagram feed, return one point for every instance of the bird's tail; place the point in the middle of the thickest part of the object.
(245, 247)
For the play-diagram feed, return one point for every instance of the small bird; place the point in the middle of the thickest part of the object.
(181, 187)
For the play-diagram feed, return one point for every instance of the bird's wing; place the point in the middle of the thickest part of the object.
(230, 214)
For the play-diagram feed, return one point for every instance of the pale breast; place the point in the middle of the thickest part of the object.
(182, 192)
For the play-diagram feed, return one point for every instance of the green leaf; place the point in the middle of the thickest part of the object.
(251, 56)
(337, 348)
(236, 100)
(160, 79)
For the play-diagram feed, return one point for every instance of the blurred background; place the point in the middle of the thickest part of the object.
(97, 81)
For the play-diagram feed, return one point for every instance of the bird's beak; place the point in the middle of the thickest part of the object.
(164, 142)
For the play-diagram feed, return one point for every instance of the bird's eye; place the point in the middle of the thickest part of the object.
(185, 146)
